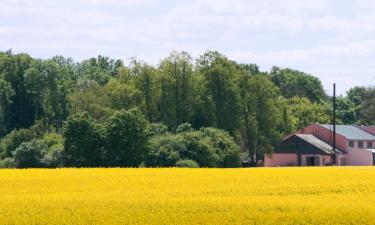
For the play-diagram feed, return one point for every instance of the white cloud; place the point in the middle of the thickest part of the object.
(315, 35)
(347, 65)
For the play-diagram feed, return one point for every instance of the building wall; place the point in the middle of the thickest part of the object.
(325, 135)
(365, 146)
(359, 157)
(354, 157)
(280, 160)
(341, 160)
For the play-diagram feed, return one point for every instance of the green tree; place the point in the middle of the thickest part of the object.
(211, 147)
(126, 138)
(357, 95)
(20, 112)
(6, 93)
(12, 140)
(83, 141)
(220, 96)
(366, 109)
(122, 96)
(346, 110)
(144, 78)
(94, 100)
(97, 71)
(295, 83)
(175, 83)
(261, 114)
(304, 112)
(165, 151)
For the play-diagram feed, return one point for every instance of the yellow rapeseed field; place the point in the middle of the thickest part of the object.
(342, 195)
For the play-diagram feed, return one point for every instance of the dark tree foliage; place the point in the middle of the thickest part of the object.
(30, 154)
(366, 109)
(20, 112)
(208, 147)
(220, 95)
(12, 140)
(165, 151)
(126, 139)
(83, 141)
(296, 83)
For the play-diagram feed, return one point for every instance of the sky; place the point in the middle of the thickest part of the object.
(331, 39)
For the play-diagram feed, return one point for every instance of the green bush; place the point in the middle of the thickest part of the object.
(185, 127)
(200, 149)
(187, 163)
(30, 154)
(12, 140)
(208, 147)
(7, 163)
(55, 156)
(164, 151)
(155, 129)
(126, 139)
(83, 143)
(211, 147)
(224, 145)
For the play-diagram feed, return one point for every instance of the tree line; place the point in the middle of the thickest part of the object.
(207, 112)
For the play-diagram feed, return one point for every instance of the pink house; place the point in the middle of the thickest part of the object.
(312, 146)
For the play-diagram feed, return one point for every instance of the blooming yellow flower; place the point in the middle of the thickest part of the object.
(335, 195)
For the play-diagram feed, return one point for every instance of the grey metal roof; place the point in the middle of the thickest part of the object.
(317, 143)
(350, 132)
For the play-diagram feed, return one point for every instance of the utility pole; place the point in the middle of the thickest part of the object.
(334, 124)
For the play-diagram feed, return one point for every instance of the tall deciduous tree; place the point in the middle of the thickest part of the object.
(303, 112)
(175, 83)
(260, 115)
(219, 94)
(6, 93)
(366, 109)
(144, 78)
(20, 112)
(295, 83)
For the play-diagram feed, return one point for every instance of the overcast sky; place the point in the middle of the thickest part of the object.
(331, 39)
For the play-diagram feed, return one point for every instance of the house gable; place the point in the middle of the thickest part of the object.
(305, 145)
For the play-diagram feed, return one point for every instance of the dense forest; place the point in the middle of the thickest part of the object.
(208, 112)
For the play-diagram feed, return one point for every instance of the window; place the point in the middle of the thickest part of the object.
(369, 144)
(351, 144)
(360, 144)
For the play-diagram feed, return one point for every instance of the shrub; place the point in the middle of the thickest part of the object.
(224, 145)
(211, 147)
(55, 156)
(30, 154)
(126, 138)
(83, 141)
(12, 140)
(187, 163)
(155, 129)
(185, 127)
(199, 149)
(164, 151)
(7, 163)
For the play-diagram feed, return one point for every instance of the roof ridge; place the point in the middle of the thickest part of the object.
(319, 144)
(351, 132)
